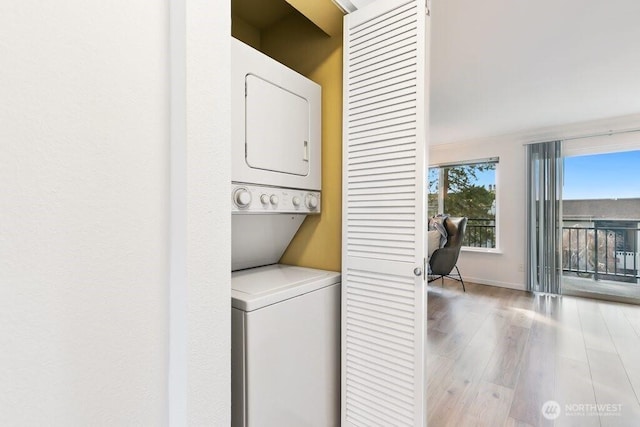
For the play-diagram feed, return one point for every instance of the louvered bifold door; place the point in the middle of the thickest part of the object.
(383, 247)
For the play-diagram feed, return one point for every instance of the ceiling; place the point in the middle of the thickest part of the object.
(505, 66)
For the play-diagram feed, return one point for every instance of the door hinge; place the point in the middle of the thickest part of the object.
(427, 5)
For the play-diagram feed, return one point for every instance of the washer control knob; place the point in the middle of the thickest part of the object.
(273, 199)
(295, 201)
(312, 201)
(264, 199)
(242, 197)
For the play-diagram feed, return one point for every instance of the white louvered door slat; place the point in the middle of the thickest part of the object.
(384, 175)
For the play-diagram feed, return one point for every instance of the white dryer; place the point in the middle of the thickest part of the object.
(276, 155)
(275, 124)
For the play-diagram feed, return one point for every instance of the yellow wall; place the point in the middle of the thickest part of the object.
(245, 32)
(324, 13)
(302, 46)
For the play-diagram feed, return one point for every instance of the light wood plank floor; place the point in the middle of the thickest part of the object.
(495, 356)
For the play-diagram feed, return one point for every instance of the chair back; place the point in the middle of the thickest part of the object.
(444, 259)
(456, 228)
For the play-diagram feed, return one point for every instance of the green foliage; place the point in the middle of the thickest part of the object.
(473, 202)
(462, 196)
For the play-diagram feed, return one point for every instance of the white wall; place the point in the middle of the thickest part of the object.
(503, 267)
(83, 212)
(208, 71)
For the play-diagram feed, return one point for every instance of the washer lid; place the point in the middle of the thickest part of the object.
(258, 287)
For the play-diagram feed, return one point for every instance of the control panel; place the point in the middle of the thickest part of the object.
(250, 198)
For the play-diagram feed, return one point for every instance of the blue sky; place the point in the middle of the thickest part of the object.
(597, 176)
(602, 176)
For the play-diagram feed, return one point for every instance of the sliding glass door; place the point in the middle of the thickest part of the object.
(601, 225)
(584, 217)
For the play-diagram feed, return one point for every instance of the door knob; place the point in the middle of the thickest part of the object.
(417, 271)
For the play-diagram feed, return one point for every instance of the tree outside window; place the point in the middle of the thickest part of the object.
(469, 190)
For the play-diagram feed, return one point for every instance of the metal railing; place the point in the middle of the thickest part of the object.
(481, 233)
(603, 253)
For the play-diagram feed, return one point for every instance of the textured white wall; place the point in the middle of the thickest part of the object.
(83, 212)
(208, 65)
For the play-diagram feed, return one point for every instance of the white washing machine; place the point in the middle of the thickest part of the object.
(285, 347)
(285, 319)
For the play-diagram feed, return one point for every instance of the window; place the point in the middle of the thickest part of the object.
(467, 189)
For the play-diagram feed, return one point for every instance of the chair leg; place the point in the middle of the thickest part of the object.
(461, 281)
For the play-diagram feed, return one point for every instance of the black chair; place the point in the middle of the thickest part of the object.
(443, 260)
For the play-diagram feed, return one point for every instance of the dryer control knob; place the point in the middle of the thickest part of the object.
(312, 201)
(242, 197)
(295, 201)
(264, 199)
(273, 199)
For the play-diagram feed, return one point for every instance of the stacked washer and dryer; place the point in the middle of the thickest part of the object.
(285, 319)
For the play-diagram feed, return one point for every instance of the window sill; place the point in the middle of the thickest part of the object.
(481, 250)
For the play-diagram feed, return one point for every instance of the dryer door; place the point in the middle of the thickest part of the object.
(278, 136)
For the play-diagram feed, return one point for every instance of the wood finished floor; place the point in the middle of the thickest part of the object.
(496, 355)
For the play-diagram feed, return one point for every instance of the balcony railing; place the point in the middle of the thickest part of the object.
(607, 253)
(481, 233)
(603, 253)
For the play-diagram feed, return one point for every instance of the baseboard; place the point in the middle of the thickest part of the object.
(479, 281)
